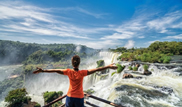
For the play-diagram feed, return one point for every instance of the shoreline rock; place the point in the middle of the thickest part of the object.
(126, 75)
(147, 72)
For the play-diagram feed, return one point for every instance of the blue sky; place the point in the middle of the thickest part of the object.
(94, 23)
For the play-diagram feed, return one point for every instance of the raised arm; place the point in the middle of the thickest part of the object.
(111, 66)
(59, 71)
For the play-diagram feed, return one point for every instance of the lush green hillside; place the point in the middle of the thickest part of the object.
(157, 52)
(16, 52)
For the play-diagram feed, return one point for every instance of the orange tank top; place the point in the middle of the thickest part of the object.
(75, 82)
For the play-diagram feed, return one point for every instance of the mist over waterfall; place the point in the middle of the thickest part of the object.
(37, 84)
(162, 88)
(6, 73)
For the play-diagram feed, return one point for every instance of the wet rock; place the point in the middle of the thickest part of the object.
(127, 75)
(137, 65)
(164, 89)
(121, 88)
(139, 77)
(179, 70)
(170, 67)
(139, 91)
(147, 72)
(179, 61)
(180, 74)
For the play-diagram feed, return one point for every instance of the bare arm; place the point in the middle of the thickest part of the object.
(111, 66)
(59, 71)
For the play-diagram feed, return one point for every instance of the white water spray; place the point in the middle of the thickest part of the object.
(149, 91)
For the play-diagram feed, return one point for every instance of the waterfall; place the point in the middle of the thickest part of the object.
(161, 89)
(6, 72)
(108, 57)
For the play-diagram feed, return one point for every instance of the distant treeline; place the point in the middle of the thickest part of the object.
(157, 52)
(16, 52)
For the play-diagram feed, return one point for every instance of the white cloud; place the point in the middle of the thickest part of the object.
(102, 44)
(42, 21)
(169, 20)
(125, 31)
(89, 13)
(81, 10)
(129, 29)
(142, 23)
(174, 37)
(141, 37)
(124, 35)
(9, 10)
(129, 44)
(30, 20)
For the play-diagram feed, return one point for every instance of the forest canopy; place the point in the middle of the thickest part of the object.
(157, 52)
(16, 52)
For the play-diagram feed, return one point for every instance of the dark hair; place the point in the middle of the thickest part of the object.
(75, 61)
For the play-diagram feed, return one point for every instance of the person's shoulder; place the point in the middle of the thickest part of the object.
(68, 71)
(83, 72)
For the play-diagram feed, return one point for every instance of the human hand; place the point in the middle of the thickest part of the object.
(112, 66)
(38, 70)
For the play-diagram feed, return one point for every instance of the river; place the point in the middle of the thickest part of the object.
(161, 89)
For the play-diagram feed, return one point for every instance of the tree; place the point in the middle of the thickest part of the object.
(50, 96)
(17, 97)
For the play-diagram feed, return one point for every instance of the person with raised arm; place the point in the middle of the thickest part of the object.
(75, 94)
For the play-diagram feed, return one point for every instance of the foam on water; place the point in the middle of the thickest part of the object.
(138, 92)
(160, 77)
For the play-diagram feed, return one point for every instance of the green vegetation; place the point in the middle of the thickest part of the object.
(37, 105)
(57, 104)
(120, 68)
(130, 68)
(50, 96)
(113, 73)
(40, 56)
(17, 97)
(16, 52)
(120, 49)
(127, 57)
(135, 68)
(157, 52)
(89, 91)
(145, 67)
(26, 99)
(100, 63)
(11, 84)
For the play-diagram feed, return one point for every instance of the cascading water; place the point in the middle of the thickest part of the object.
(161, 89)
(6, 72)
(37, 84)
(108, 57)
